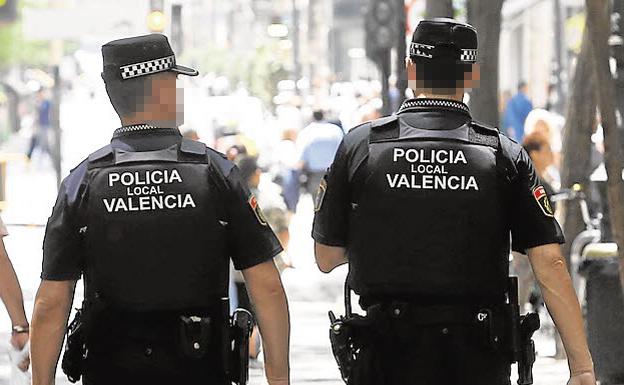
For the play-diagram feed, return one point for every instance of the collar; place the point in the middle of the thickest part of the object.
(143, 129)
(419, 104)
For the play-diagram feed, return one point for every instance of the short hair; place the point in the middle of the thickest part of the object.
(318, 115)
(441, 74)
(248, 165)
(521, 85)
(128, 96)
(534, 142)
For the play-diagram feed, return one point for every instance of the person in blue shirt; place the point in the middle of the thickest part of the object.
(516, 112)
(40, 134)
(317, 145)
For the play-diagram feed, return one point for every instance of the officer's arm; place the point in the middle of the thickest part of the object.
(49, 321)
(269, 299)
(329, 257)
(552, 275)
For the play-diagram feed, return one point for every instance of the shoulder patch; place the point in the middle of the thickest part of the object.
(541, 197)
(320, 195)
(255, 207)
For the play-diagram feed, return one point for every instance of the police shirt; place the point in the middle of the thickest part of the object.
(531, 221)
(250, 241)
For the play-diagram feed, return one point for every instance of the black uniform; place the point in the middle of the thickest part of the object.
(151, 221)
(424, 202)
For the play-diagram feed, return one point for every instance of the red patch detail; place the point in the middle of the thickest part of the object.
(539, 192)
(253, 202)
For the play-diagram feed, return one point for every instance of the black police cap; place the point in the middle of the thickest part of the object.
(140, 56)
(444, 38)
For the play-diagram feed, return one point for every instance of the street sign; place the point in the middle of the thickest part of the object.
(100, 20)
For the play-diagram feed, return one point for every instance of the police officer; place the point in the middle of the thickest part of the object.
(151, 222)
(421, 206)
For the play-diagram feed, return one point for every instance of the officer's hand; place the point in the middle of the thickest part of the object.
(583, 379)
(19, 341)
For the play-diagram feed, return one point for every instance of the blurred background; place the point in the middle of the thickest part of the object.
(276, 75)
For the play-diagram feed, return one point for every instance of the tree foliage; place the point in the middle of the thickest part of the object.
(15, 49)
(258, 70)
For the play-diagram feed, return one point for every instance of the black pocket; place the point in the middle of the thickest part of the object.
(194, 336)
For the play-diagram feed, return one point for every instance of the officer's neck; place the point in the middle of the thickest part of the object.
(147, 117)
(458, 96)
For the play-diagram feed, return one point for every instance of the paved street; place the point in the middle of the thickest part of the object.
(31, 194)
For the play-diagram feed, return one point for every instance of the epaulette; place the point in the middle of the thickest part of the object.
(193, 147)
(484, 134)
(384, 123)
(482, 127)
(101, 153)
(386, 128)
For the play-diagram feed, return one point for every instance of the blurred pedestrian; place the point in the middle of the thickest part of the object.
(41, 132)
(316, 146)
(516, 112)
(537, 145)
(287, 171)
(190, 134)
(151, 221)
(549, 124)
(11, 294)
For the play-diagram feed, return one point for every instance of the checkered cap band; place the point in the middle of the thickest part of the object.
(468, 55)
(427, 51)
(147, 67)
(422, 50)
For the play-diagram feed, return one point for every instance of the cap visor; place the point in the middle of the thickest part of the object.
(184, 70)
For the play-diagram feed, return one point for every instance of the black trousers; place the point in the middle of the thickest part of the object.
(431, 355)
(143, 363)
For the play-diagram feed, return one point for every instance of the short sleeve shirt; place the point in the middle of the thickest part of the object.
(532, 220)
(250, 241)
(533, 223)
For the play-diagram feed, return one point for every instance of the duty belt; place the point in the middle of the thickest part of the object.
(431, 315)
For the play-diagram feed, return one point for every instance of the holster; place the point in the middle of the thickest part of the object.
(343, 336)
(521, 332)
(240, 332)
(75, 351)
(77, 338)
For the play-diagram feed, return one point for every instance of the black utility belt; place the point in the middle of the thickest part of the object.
(195, 337)
(492, 324)
(433, 314)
